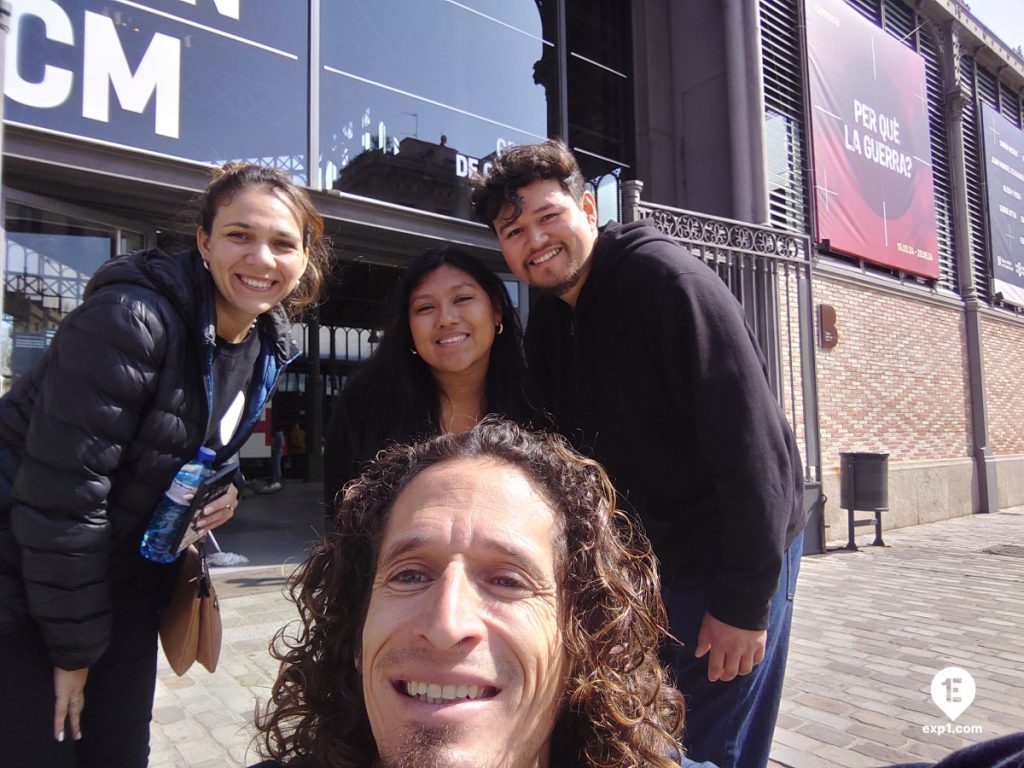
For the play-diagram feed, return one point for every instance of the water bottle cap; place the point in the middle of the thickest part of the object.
(206, 455)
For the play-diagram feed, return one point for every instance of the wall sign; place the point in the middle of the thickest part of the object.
(1003, 143)
(206, 80)
(874, 195)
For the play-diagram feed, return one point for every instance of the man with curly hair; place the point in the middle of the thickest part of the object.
(481, 603)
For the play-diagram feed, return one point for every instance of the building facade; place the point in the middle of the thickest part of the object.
(115, 112)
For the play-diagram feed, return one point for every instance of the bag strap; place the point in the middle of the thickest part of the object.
(205, 582)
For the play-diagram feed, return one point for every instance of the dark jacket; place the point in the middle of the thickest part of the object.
(656, 374)
(93, 435)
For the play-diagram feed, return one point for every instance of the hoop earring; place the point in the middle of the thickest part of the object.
(499, 329)
(206, 264)
(413, 350)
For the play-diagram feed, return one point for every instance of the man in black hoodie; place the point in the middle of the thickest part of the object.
(645, 361)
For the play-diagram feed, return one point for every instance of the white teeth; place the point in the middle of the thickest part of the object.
(253, 282)
(546, 257)
(453, 339)
(432, 693)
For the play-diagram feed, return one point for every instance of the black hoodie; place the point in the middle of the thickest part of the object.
(656, 375)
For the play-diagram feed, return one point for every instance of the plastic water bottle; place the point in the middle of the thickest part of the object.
(159, 539)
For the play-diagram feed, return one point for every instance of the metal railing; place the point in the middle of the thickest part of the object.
(340, 348)
(768, 270)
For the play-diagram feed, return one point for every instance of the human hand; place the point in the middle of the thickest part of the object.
(69, 691)
(218, 511)
(734, 651)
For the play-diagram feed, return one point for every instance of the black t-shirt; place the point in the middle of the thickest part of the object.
(232, 376)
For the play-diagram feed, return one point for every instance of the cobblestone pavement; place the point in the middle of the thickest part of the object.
(871, 628)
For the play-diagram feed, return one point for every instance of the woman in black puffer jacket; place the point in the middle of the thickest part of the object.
(167, 353)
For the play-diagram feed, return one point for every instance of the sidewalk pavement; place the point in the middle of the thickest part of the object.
(870, 630)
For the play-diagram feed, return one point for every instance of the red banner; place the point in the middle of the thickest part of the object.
(873, 189)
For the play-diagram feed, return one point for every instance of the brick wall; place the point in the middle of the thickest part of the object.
(897, 381)
(1003, 352)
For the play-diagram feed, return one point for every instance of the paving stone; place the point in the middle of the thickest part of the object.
(805, 743)
(879, 752)
(844, 757)
(787, 721)
(199, 751)
(929, 750)
(166, 715)
(838, 722)
(176, 683)
(871, 718)
(826, 735)
(823, 704)
(795, 758)
(179, 732)
(878, 735)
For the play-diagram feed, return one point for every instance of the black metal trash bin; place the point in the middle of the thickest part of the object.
(864, 485)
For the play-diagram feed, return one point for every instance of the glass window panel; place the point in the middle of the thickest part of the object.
(512, 286)
(436, 50)
(607, 193)
(131, 241)
(415, 94)
(599, 30)
(600, 115)
(516, 14)
(49, 258)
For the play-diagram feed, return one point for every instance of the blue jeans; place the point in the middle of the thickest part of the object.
(730, 724)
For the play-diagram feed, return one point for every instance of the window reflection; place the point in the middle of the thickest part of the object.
(607, 193)
(599, 114)
(417, 94)
(50, 258)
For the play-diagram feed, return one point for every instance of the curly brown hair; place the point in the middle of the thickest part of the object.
(519, 167)
(232, 178)
(619, 708)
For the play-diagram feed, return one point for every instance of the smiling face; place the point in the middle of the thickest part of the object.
(452, 321)
(549, 244)
(255, 254)
(462, 656)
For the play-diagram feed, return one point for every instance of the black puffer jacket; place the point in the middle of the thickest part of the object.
(91, 438)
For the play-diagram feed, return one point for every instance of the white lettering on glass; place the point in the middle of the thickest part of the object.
(55, 87)
(158, 73)
(227, 8)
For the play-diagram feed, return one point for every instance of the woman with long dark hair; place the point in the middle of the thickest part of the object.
(451, 353)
